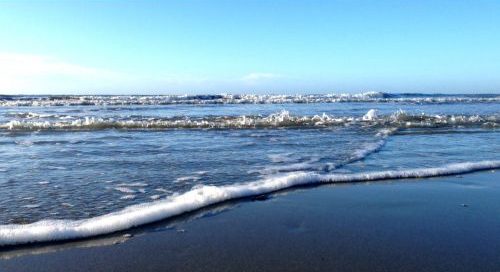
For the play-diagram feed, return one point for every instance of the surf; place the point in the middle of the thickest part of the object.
(206, 195)
(282, 119)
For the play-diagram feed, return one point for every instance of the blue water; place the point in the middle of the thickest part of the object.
(69, 160)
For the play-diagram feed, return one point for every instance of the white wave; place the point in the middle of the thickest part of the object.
(284, 118)
(202, 196)
(293, 167)
(360, 153)
(24, 143)
(276, 158)
(367, 149)
(370, 115)
(367, 97)
(134, 184)
(31, 115)
(163, 190)
(31, 206)
(187, 178)
(125, 190)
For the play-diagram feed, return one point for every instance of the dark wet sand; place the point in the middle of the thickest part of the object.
(437, 224)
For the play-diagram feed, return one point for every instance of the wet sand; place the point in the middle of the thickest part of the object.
(437, 224)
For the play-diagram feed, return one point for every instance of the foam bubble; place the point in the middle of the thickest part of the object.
(202, 196)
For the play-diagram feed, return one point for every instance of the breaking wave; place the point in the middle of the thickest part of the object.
(106, 100)
(202, 196)
(281, 119)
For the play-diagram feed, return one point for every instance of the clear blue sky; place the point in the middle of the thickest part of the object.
(236, 46)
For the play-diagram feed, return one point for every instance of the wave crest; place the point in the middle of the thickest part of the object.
(281, 119)
(120, 100)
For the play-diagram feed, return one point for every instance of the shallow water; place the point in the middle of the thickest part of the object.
(61, 158)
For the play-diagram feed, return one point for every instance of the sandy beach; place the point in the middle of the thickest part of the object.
(436, 224)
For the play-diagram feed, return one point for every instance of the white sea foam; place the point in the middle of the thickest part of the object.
(128, 197)
(31, 206)
(133, 184)
(163, 190)
(187, 178)
(125, 190)
(360, 153)
(370, 115)
(367, 149)
(367, 97)
(32, 115)
(287, 157)
(202, 196)
(281, 119)
(292, 167)
(276, 120)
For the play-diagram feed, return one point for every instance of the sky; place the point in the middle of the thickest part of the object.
(252, 46)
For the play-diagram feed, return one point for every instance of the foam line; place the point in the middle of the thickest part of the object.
(202, 196)
(120, 100)
(282, 119)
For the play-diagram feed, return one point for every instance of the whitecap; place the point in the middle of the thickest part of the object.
(125, 190)
(370, 115)
(133, 184)
(187, 178)
(366, 97)
(31, 206)
(281, 119)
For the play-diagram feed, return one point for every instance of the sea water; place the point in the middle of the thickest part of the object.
(79, 166)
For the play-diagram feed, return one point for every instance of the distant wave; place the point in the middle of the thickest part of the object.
(281, 119)
(202, 196)
(106, 100)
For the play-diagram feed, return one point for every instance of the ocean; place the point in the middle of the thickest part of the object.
(80, 166)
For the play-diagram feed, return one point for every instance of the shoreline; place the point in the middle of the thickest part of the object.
(435, 224)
